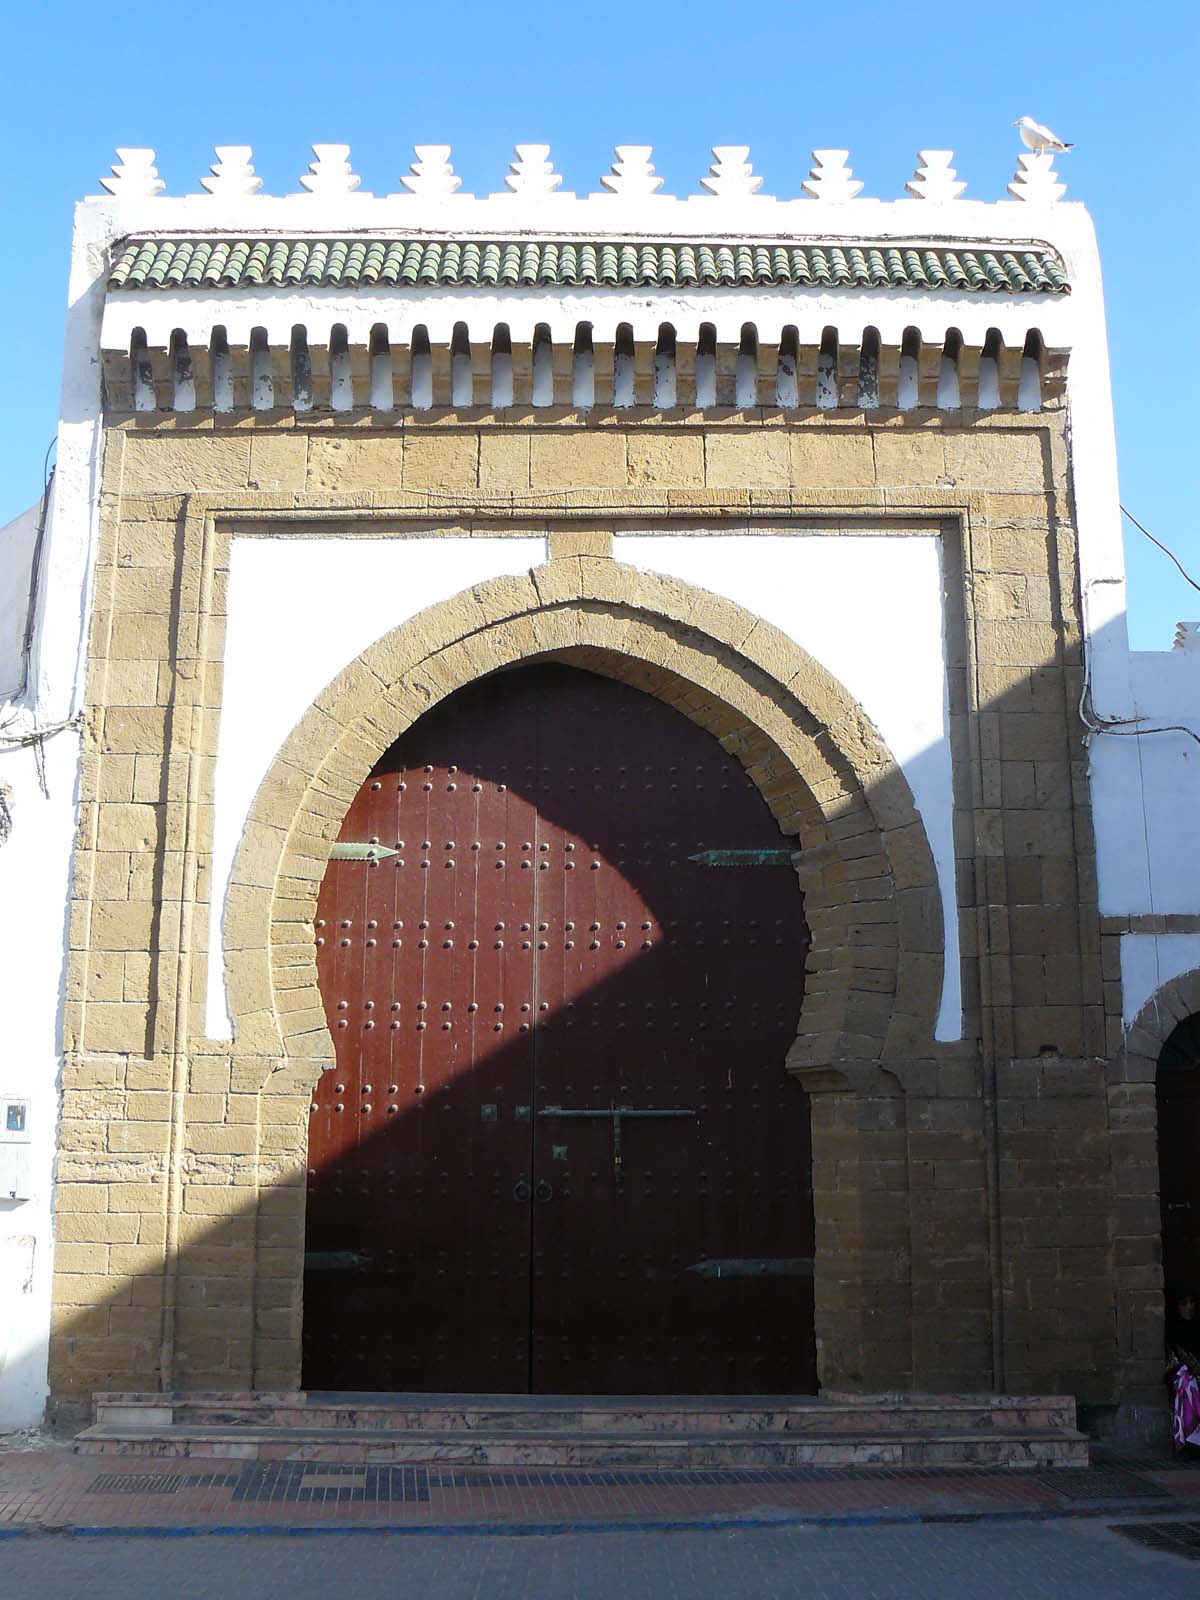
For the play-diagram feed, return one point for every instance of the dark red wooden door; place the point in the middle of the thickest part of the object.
(560, 1150)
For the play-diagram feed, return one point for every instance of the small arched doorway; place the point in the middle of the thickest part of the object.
(1178, 1097)
(559, 1151)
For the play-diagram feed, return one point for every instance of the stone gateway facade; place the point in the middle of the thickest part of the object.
(830, 490)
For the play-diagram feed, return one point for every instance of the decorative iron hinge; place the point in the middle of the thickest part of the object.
(335, 1260)
(347, 851)
(745, 858)
(755, 1267)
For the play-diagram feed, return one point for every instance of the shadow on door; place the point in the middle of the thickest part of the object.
(559, 1151)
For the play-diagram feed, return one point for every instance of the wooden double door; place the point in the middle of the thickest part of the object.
(560, 1152)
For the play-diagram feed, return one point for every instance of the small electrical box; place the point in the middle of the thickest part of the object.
(14, 1148)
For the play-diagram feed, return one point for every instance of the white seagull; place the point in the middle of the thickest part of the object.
(1034, 136)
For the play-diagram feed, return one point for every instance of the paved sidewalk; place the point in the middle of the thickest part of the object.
(49, 1488)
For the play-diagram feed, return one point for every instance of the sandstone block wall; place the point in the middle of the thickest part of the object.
(965, 1193)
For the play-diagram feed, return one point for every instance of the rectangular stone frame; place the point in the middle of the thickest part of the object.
(962, 1313)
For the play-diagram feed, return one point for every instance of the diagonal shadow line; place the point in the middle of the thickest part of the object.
(476, 1232)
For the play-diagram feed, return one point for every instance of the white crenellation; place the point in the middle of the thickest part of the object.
(232, 173)
(935, 178)
(1035, 178)
(134, 175)
(431, 180)
(431, 174)
(831, 179)
(731, 177)
(330, 173)
(632, 172)
(532, 173)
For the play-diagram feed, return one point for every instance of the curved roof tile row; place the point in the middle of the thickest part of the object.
(470, 263)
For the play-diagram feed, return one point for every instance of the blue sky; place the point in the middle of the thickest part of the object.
(883, 80)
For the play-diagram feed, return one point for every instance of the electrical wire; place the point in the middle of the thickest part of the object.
(1169, 553)
(33, 736)
(1124, 727)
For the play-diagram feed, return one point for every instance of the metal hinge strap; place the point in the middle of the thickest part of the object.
(345, 850)
(746, 858)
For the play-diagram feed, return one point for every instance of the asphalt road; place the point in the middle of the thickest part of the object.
(1030, 1560)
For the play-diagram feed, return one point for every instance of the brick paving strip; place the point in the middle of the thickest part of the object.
(52, 1489)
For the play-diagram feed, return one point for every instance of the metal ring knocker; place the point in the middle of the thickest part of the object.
(522, 1191)
(543, 1194)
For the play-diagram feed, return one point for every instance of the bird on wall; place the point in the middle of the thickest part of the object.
(1035, 136)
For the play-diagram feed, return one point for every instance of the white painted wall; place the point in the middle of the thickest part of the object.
(869, 608)
(1146, 792)
(17, 540)
(1146, 810)
(34, 876)
(35, 859)
(857, 604)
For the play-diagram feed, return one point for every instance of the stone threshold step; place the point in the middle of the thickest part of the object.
(566, 1424)
(626, 1413)
(1027, 1447)
(424, 1399)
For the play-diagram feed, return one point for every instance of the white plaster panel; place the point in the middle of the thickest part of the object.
(17, 540)
(1148, 960)
(35, 858)
(34, 878)
(1146, 793)
(869, 608)
(285, 641)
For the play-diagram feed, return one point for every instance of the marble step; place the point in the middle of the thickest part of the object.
(617, 1415)
(1026, 1447)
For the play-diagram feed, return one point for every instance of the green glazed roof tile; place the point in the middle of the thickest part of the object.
(610, 263)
